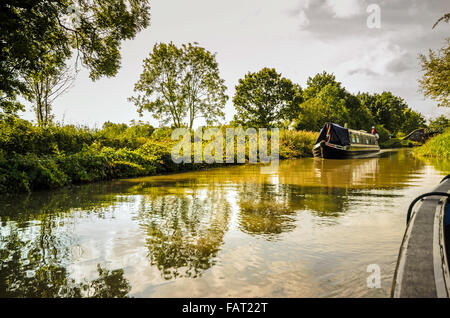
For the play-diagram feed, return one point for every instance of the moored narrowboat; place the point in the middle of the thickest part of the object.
(337, 142)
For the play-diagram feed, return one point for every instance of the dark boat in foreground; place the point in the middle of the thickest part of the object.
(336, 142)
(422, 267)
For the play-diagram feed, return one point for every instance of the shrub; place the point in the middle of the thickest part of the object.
(295, 144)
(383, 133)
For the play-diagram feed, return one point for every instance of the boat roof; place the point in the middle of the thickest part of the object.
(422, 268)
(360, 132)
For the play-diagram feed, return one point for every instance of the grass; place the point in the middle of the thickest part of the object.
(437, 147)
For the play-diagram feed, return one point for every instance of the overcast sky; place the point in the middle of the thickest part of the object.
(299, 38)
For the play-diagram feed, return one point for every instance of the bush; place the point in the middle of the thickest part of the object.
(295, 144)
(383, 133)
(22, 137)
(33, 157)
(122, 135)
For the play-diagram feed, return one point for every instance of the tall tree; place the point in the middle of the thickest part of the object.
(339, 105)
(386, 108)
(315, 84)
(412, 121)
(44, 87)
(34, 30)
(264, 98)
(326, 106)
(179, 84)
(441, 121)
(435, 82)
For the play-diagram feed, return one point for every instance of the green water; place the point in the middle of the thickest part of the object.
(308, 229)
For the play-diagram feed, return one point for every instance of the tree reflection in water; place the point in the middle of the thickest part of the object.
(183, 217)
(269, 210)
(185, 230)
(30, 269)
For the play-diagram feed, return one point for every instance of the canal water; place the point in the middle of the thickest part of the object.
(310, 228)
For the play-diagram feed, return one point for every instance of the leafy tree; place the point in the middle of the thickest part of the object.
(315, 84)
(386, 109)
(265, 98)
(383, 133)
(325, 107)
(179, 83)
(441, 121)
(33, 31)
(435, 82)
(360, 116)
(412, 120)
(349, 108)
(43, 88)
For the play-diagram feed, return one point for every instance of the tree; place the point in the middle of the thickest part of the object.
(360, 116)
(327, 106)
(44, 87)
(179, 83)
(265, 98)
(386, 109)
(349, 108)
(35, 30)
(412, 120)
(435, 82)
(438, 122)
(315, 84)
(445, 18)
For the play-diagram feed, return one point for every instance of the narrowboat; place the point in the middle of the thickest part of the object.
(422, 269)
(337, 142)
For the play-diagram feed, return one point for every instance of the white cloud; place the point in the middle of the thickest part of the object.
(302, 19)
(345, 8)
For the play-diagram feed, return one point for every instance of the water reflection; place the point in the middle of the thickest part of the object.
(31, 266)
(177, 225)
(184, 231)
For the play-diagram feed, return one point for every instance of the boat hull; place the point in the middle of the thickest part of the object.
(329, 151)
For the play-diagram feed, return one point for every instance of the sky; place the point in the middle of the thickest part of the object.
(299, 38)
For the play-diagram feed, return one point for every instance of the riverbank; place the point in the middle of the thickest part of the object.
(33, 158)
(436, 147)
(397, 143)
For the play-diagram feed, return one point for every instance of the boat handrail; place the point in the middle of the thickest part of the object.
(420, 197)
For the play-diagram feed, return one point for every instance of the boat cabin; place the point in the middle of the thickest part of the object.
(337, 142)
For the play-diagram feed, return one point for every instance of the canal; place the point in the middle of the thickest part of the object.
(308, 229)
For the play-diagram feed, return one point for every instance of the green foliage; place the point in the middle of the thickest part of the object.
(397, 143)
(412, 120)
(122, 135)
(180, 82)
(327, 101)
(314, 85)
(296, 144)
(314, 113)
(392, 112)
(263, 99)
(20, 136)
(33, 157)
(383, 133)
(436, 78)
(441, 121)
(438, 146)
(38, 33)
